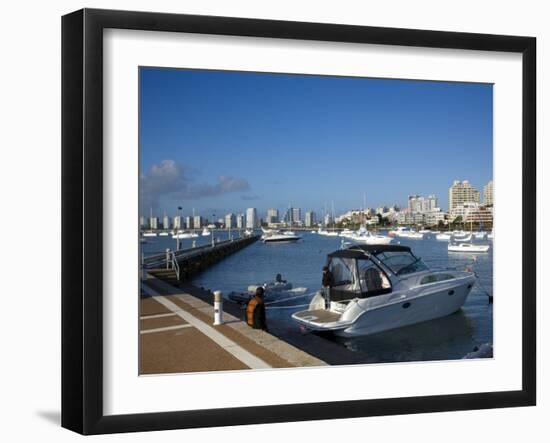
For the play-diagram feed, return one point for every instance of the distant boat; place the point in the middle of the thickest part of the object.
(274, 236)
(443, 236)
(149, 234)
(371, 239)
(467, 247)
(181, 235)
(405, 232)
(205, 232)
(480, 235)
(163, 234)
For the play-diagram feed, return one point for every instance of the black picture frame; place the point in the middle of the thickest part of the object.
(82, 216)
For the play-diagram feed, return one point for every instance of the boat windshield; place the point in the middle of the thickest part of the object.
(401, 262)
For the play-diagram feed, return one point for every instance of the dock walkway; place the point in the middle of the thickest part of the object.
(177, 335)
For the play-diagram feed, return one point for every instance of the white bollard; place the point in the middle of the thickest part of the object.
(218, 308)
(167, 258)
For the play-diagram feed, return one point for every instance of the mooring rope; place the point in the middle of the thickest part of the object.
(290, 298)
(287, 307)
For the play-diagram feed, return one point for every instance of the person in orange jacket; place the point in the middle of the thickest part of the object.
(255, 311)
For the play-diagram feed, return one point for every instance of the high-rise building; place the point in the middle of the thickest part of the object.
(166, 222)
(296, 215)
(240, 221)
(421, 204)
(197, 222)
(310, 219)
(154, 223)
(488, 194)
(188, 222)
(142, 222)
(230, 221)
(178, 222)
(462, 192)
(272, 216)
(251, 218)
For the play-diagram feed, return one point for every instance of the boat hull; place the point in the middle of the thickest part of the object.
(281, 239)
(420, 309)
(405, 312)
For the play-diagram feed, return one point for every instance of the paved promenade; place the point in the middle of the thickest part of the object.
(177, 335)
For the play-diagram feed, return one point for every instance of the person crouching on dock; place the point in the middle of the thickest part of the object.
(255, 311)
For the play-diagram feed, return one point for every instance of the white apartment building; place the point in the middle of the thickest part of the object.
(462, 192)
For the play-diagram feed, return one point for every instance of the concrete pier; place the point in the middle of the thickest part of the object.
(174, 266)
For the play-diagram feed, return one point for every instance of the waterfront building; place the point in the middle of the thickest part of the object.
(178, 222)
(432, 218)
(165, 222)
(188, 222)
(421, 204)
(310, 219)
(154, 223)
(251, 218)
(296, 215)
(473, 212)
(197, 222)
(462, 192)
(230, 221)
(488, 194)
(272, 216)
(480, 214)
(240, 221)
(142, 222)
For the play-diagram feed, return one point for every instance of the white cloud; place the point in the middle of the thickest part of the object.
(174, 180)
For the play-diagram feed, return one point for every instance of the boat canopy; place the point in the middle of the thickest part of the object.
(358, 251)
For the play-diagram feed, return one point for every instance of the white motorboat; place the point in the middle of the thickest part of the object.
(467, 247)
(205, 232)
(371, 239)
(381, 287)
(443, 236)
(182, 235)
(149, 234)
(274, 236)
(248, 232)
(405, 232)
(480, 235)
(163, 234)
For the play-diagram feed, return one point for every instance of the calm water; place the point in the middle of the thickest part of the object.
(300, 263)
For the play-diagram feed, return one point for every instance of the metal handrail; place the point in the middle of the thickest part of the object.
(174, 264)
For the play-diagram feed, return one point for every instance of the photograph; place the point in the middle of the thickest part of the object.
(293, 220)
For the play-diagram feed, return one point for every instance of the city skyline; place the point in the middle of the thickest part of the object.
(222, 142)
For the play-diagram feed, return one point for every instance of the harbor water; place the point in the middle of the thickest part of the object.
(301, 263)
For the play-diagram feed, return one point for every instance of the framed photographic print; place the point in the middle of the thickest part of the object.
(268, 221)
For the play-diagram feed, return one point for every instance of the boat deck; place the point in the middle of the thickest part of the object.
(319, 316)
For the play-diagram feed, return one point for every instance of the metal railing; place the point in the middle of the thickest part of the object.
(174, 265)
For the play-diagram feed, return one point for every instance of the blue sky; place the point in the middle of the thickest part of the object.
(221, 141)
